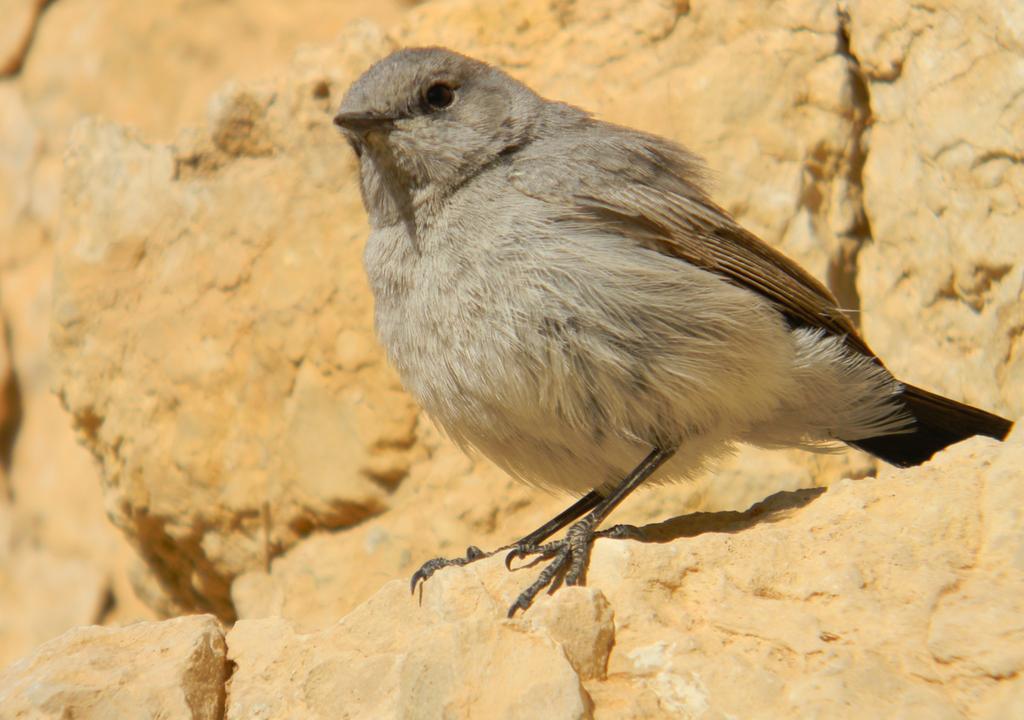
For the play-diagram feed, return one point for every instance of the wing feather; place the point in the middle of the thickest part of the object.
(657, 199)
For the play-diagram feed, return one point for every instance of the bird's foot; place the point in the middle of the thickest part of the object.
(473, 553)
(569, 558)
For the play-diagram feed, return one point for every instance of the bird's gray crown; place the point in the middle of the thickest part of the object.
(425, 120)
(395, 86)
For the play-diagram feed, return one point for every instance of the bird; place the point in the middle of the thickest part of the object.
(562, 295)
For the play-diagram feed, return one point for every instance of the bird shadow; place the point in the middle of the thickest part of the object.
(773, 508)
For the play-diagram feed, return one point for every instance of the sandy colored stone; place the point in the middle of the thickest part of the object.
(10, 409)
(62, 563)
(944, 193)
(153, 65)
(327, 574)
(226, 292)
(19, 18)
(28, 574)
(20, 145)
(434, 664)
(173, 669)
(896, 596)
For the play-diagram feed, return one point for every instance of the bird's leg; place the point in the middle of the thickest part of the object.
(571, 554)
(524, 545)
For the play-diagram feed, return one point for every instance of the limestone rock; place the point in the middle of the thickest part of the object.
(434, 664)
(16, 31)
(173, 669)
(944, 193)
(896, 596)
(9, 406)
(234, 292)
(80, 587)
(62, 563)
(20, 145)
(152, 65)
(327, 574)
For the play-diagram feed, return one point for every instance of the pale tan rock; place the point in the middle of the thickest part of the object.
(583, 623)
(154, 65)
(62, 563)
(43, 593)
(432, 664)
(844, 594)
(944, 193)
(896, 596)
(213, 334)
(10, 409)
(977, 629)
(215, 348)
(19, 18)
(172, 669)
(227, 288)
(328, 574)
(149, 64)
(447, 504)
(20, 146)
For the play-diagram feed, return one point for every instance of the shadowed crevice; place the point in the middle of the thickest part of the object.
(842, 269)
(12, 403)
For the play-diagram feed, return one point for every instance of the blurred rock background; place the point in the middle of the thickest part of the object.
(195, 417)
(153, 67)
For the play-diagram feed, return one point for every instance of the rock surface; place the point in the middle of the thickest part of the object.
(896, 596)
(211, 338)
(173, 669)
(16, 31)
(152, 65)
(944, 193)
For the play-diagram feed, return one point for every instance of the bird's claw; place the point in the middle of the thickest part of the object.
(518, 552)
(568, 557)
(473, 553)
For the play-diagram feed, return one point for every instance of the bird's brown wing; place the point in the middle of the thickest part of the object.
(649, 189)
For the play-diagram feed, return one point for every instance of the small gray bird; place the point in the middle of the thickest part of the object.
(562, 295)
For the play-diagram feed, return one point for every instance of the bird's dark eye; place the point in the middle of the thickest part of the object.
(440, 96)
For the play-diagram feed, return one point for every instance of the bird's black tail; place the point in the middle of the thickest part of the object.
(940, 422)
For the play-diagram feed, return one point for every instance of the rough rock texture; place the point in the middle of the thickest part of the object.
(152, 65)
(211, 339)
(896, 596)
(250, 329)
(173, 669)
(944, 193)
(901, 596)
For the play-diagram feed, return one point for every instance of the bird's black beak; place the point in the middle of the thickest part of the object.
(362, 122)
